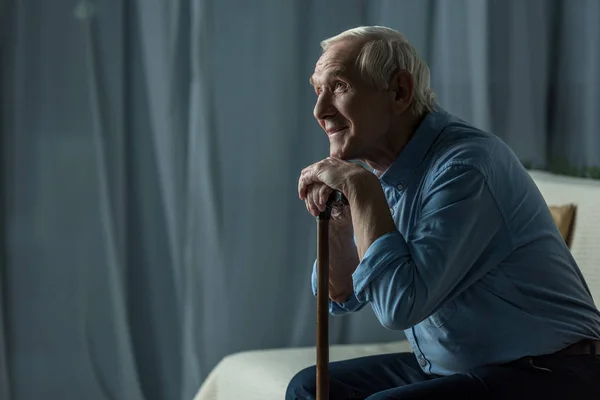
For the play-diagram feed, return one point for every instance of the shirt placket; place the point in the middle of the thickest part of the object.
(421, 359)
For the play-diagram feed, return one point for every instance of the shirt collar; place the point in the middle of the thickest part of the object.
(401, 170)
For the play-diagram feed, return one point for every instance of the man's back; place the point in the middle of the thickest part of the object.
(534, 301)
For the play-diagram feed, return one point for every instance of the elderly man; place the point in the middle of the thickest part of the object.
(448, 239)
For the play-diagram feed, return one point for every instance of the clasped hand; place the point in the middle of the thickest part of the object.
(319, 180)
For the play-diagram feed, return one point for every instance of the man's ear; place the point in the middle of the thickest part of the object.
(402, 88)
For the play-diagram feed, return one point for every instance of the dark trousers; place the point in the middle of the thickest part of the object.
(398, 376)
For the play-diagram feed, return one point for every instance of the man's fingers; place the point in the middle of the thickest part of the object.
(304, 182)
(315, 197)
(309, 201)
(301, 188)
(324, 192)
(315, 201)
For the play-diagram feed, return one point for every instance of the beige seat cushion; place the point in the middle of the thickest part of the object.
(564, 216)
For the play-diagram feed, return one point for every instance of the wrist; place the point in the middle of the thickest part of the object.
(357, 183)
(340, 290)
(370, 211)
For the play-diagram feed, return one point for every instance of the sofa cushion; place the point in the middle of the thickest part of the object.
(585, 193)
(564, 216)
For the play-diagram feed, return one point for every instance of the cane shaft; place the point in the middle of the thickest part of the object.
(323, 309)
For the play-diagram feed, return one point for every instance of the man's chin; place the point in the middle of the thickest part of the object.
(335, 153)
(338, 151)
(342, 145)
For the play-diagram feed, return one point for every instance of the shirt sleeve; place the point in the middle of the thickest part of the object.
(459, 236)
(335, 308)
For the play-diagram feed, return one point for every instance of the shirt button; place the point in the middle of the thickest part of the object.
(423, 362)
(391, 211)
(400, 187)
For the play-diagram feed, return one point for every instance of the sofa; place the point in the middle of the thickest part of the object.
(265, 374)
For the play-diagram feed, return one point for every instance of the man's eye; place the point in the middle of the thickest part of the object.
(340, 86)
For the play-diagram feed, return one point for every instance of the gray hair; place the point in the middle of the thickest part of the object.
(383, 53)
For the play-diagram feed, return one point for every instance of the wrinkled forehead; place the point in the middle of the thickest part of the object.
(339, 59)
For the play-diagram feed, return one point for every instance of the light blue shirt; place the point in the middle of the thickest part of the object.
(477, 272)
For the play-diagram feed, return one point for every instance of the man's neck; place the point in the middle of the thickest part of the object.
(396, 141)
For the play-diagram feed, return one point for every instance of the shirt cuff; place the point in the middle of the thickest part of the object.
(350, 305)
(387, 250)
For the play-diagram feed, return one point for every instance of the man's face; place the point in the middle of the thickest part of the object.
(354, 114)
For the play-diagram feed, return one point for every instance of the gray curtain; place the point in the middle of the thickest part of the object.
(150, 154)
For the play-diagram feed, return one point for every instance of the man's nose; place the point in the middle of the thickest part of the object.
(324, 107)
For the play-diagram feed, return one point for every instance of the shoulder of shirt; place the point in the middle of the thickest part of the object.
(462, 145)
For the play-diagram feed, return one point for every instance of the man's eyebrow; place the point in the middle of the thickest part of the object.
(335, 72)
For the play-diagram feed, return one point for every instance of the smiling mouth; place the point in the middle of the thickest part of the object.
(337, 131)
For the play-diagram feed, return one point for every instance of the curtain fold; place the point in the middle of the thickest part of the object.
(204, 203)
(150, 157)
(107, 300)
(576, 101)
(7, 8)
(521, 72)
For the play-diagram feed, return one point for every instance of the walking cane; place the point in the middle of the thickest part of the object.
(335, 199)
